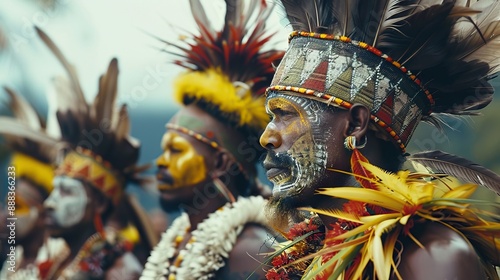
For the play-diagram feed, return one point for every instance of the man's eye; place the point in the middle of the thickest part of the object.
(175, 150)
(65, 191)
(285, 115)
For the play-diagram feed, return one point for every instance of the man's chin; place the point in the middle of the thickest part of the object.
(56, 231)
(282, 212)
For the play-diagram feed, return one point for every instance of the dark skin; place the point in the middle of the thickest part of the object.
(197, 195)
(446, 254)
(34, 239)
(29, 196)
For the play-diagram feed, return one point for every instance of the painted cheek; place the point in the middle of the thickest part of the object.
(188, 168)
(22, 207)
(295, 130)
(71, 208)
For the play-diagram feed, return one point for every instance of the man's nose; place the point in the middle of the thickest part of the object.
(270, 138)
(162, 160)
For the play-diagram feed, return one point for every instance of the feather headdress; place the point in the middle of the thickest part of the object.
(28, 137)
(228, 70)
(407, 60)
(101, 151)
(99, 147)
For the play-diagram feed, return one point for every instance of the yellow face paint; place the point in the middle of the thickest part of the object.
(22, 207)
(289, 113)
(182, 161)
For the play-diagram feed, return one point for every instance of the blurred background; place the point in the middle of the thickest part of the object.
(91, 32)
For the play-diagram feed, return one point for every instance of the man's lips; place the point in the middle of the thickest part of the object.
(273, 172)
(165, 181)
(274, 169)
(50, 221)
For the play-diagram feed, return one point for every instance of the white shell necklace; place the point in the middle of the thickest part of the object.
(211, 242)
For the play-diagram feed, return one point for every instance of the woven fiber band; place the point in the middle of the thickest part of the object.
(84, 165)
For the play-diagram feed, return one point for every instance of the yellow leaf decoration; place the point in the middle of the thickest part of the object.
(408, 199)
(370, 196)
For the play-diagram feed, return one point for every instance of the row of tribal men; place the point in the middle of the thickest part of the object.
(339, 90)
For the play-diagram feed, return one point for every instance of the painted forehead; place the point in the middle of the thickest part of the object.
(172, 138)
(311, 107)
(67, 182)
(186, 120)
(203, 126)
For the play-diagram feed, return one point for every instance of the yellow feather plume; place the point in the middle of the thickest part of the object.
(213, 87)
(38, 172)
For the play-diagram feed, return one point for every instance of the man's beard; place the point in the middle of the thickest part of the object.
(282, 213)
(282, 208)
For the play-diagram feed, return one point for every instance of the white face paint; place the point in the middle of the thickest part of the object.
(68, 201)
(26, 222)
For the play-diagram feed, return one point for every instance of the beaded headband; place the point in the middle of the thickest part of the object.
(84, 165)
(339, 71)
(194, 134)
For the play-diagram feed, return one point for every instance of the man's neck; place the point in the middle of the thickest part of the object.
(77, 239)
(198, 212)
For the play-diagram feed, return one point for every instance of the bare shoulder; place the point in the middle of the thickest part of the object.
(127, 267)
(248, 254)
(446, 255)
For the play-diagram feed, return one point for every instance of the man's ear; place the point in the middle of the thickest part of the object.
(358, 120)
(99, 202)
(222, 163)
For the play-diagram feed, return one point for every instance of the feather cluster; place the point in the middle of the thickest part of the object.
(461, 168)
(26, 132)
(410, 199)
(32, 141)
(452, 46)
(234, 52)
(98, 126)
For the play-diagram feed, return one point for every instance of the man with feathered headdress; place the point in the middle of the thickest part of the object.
(210, 150)
(99, 157)
(30, 171)
(356, 80)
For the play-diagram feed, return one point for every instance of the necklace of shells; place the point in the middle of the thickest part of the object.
(210, 244)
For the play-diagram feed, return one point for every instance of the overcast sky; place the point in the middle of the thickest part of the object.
(90, 33)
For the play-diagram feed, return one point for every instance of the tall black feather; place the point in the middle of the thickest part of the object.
(463, 169)
(315, 15)
(452, 46)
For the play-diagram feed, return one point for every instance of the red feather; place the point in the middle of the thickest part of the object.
(360, 173)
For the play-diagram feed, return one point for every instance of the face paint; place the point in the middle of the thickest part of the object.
(22, 206)
(68, 201)
(26, 222)
(301, 161)
(185, 166)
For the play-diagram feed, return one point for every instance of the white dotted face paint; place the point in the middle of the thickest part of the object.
(68, 201)
(305, 160)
